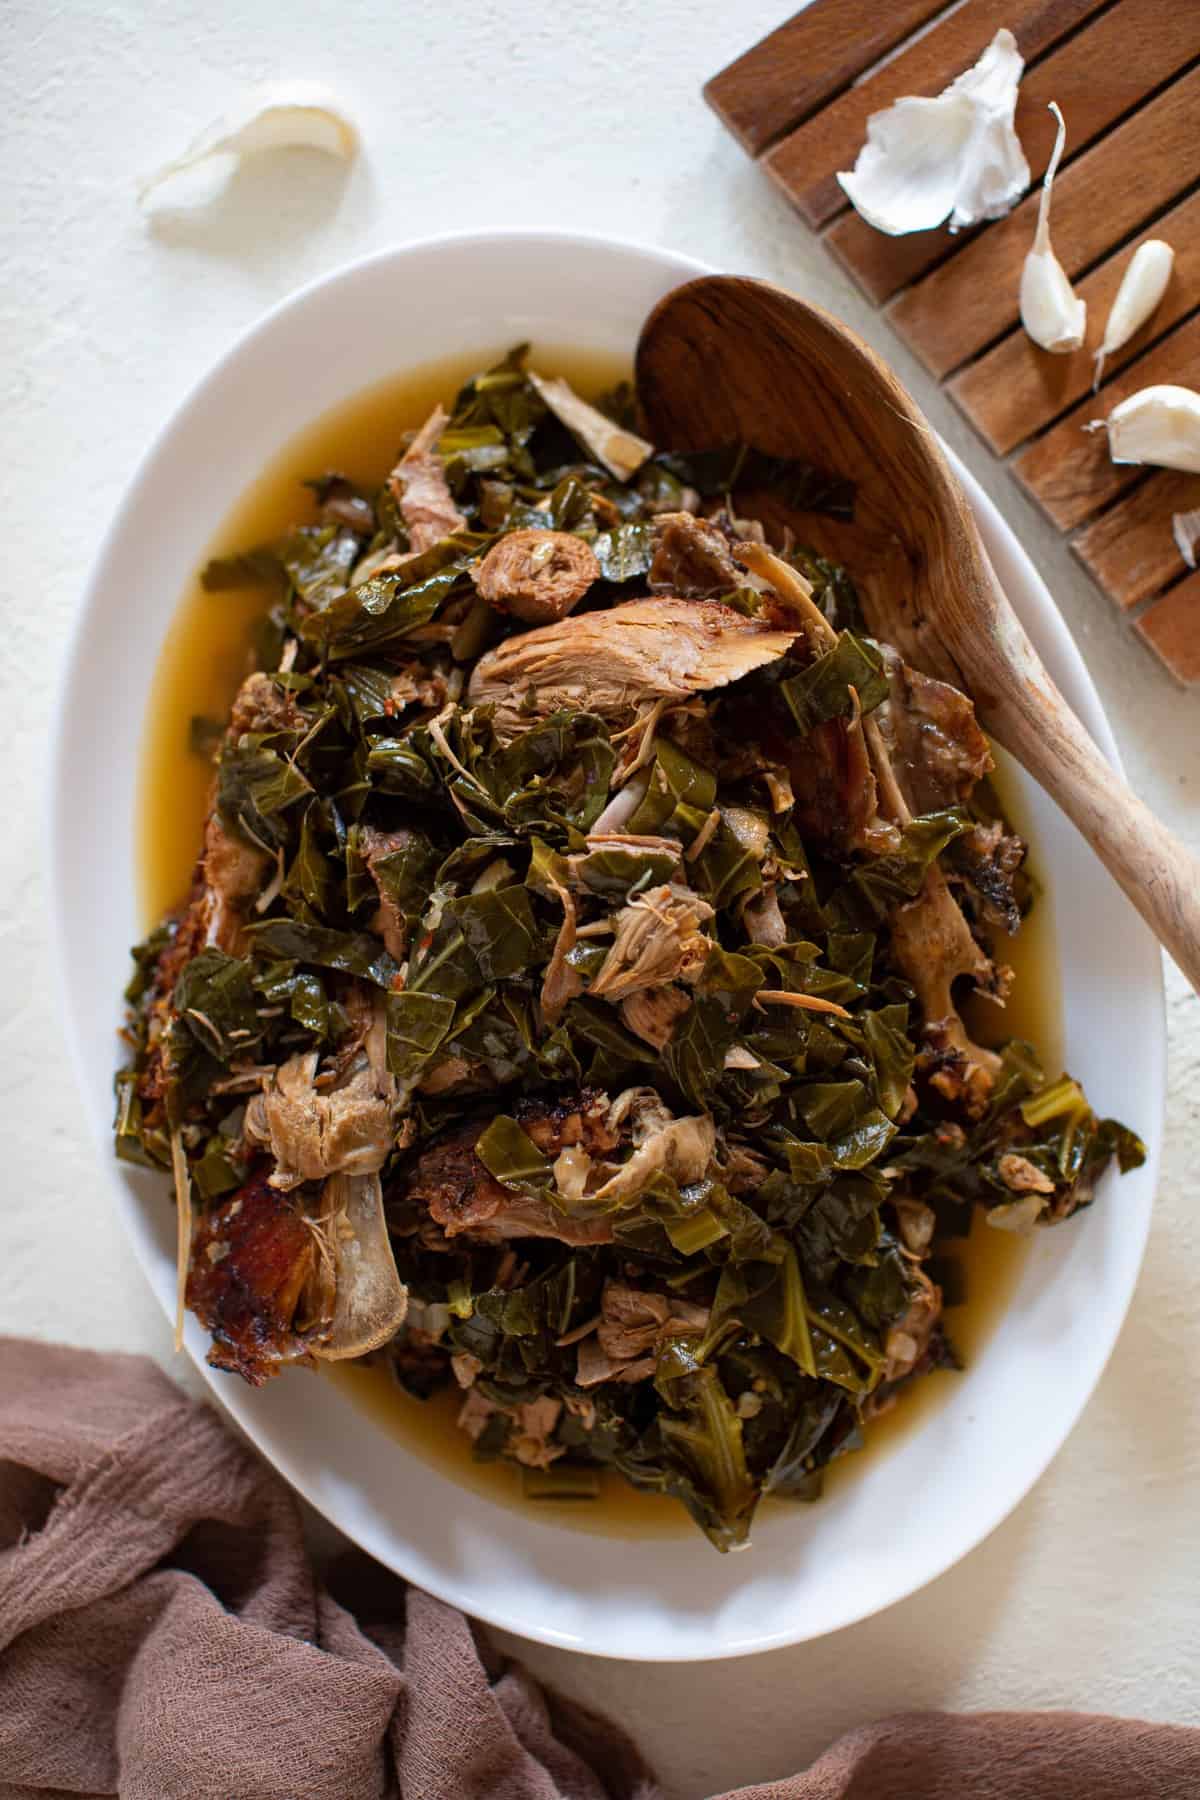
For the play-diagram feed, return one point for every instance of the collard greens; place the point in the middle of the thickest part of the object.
(647, 1005)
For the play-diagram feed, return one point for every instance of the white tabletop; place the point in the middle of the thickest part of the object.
(588, 117)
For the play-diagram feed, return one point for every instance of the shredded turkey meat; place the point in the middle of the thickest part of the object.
(530, 1426)
(562, 981)
(909, 1339)
(389, 921)
(313, 1134)
(612, 662)
(937, 750)
(229, 877)
(932, 942)
(462, 1197)
(682, 1149)
(693, 558)
(538, 576)
(262, 706)
(604, 1153)
(653, 1013)
(657, 938)
(420, 490)
(632, 1327)
(1021, 1176)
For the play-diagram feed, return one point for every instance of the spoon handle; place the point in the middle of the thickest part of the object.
(1158, 873)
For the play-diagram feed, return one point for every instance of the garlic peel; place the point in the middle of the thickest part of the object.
(1142, 287)
(1051, 312)
(297, 115)
(954, 156)
(1186, 527)
(1159, 425)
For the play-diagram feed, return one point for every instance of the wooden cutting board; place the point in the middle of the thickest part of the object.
(1127, 77)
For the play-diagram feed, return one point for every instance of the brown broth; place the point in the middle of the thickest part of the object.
(203, 660)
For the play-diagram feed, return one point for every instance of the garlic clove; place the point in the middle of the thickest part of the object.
(295, 115)
(1186, 527)
(1142, 287)
(1158, 425)
(1051, 312)
(955, 156)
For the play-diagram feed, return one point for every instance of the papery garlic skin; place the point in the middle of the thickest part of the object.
(1051, 312)
(1158, 425)
(1142, 287)
(955, 156)
(1186, 529)
(281, 116)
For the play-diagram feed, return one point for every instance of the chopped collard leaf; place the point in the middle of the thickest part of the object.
(571, 1008)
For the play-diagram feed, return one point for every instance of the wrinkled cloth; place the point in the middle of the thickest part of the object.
(163, 1637)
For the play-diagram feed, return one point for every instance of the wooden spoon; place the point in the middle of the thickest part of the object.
(726, 359)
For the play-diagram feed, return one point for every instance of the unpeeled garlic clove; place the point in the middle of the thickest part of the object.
(1158, 425)
(295, 115)
(956, 155)
(1142, 287)
(1050, 311)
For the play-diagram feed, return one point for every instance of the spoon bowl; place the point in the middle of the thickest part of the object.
(727, 359)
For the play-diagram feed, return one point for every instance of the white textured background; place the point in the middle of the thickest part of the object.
(584, 116)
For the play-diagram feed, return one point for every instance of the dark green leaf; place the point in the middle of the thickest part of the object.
(369, 689)
(216, 1003)
(351, 952)
(880, 1292)
(311, 875)
(444, 964)
(675, 780)
(767, 1297)
(416, 1025)
(379, 613)
(822, 691)
(886, 1032)
(887, 881)
(247, 568)
(556, 773)
(510, 1154)
(317, 560)
(406, 874)
(500, 930)
(707, 1436)
(619, 871)
(695, 1056)
(255, 788)
(396, 766)
(134, 1144)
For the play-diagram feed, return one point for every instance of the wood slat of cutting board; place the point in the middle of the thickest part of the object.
(1127, 548)
(1096, 77)
(964, 305)
(1127, 74)
(774, 86)
(805, 163)
(1169, 627)
(1010, 394)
